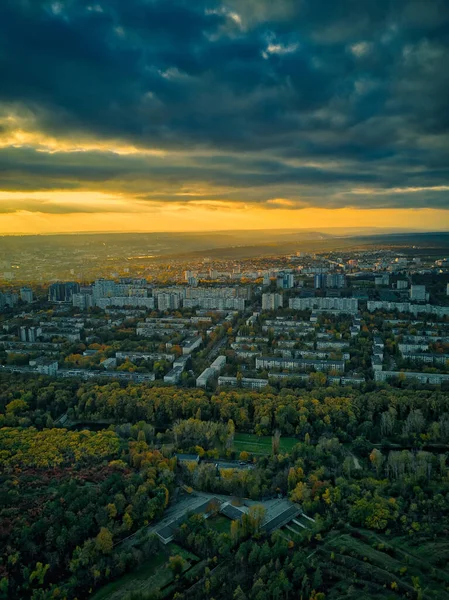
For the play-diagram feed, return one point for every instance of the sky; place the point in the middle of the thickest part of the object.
(200, 115)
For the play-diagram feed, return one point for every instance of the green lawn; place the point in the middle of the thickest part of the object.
(174, 550)
(145, 578)
(255, 444)
(220, 523)
(152, 576)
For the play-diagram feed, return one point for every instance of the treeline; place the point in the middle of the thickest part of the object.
(403, 416)
(413, 417)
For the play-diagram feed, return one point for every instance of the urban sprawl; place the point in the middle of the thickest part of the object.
(359, 319)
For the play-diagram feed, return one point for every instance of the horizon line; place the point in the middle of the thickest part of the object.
(205, 232)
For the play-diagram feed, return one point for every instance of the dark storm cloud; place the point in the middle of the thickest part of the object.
(55, 208)
(251, 92)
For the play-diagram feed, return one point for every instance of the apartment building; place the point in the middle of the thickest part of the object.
(433, 378)
(299, 364)
(343, 305)
(246, 382)
(272, 301)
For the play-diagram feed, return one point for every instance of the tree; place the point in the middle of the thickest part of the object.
(318, 379)
(235, 531)
(239, 379)
(176, 564)
(4, 584)
(39, 573)
(230, 436)
(374, 513)
(275, 441)
(377, 459)
(127, 521)
(317, 579)
(16, 406)
(103, 541)
(253, 520)
(239, 594)
(301, 493)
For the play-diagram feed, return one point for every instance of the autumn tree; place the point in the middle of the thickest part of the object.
(275, 442)
(176, 564)
(103, 541)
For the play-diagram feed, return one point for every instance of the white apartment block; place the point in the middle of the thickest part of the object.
(433, 378)
(272, 301)
(418, 293)
(299, 364)
(205, 376)
(344, 305)
(124, 301)
(215, 303)
(403, 348)
(167, 301)
(246, 382)
(191, 344)
(407, 307)
(144, 356)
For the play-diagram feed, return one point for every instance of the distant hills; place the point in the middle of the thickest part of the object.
(226, 244)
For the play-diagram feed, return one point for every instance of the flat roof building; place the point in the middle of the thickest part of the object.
(246, 382)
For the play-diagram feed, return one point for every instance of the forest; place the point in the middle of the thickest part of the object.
(88, 468)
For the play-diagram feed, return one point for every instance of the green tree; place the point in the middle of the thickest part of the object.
(176, 564)
(104, 542)
(239, 594)
(39, 573)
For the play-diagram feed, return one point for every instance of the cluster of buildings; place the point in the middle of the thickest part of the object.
(10, 299)
(295, 317)
(332, 305)
(286, 348)
(408, 307)
(138, 294)
(413, 349)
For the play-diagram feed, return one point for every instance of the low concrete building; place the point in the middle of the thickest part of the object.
(421, 357)
(187, 458)
(298, 364)
(246, 382)
(47, 366)
(203, 379)
(376, 363)
(109, 363)
(174, 375)
(191, 344)
(432, 378)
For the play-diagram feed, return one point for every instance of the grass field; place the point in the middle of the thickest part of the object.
(173, 550)
(152, 576)
(255, 444)
(220, 523)
(359, 562)
(143, 579)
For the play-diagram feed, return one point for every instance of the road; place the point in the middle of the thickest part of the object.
(216, 348)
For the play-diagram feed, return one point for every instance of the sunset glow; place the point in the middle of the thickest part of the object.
(241, 118)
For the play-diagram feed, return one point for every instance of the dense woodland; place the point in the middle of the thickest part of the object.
(371, 468)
